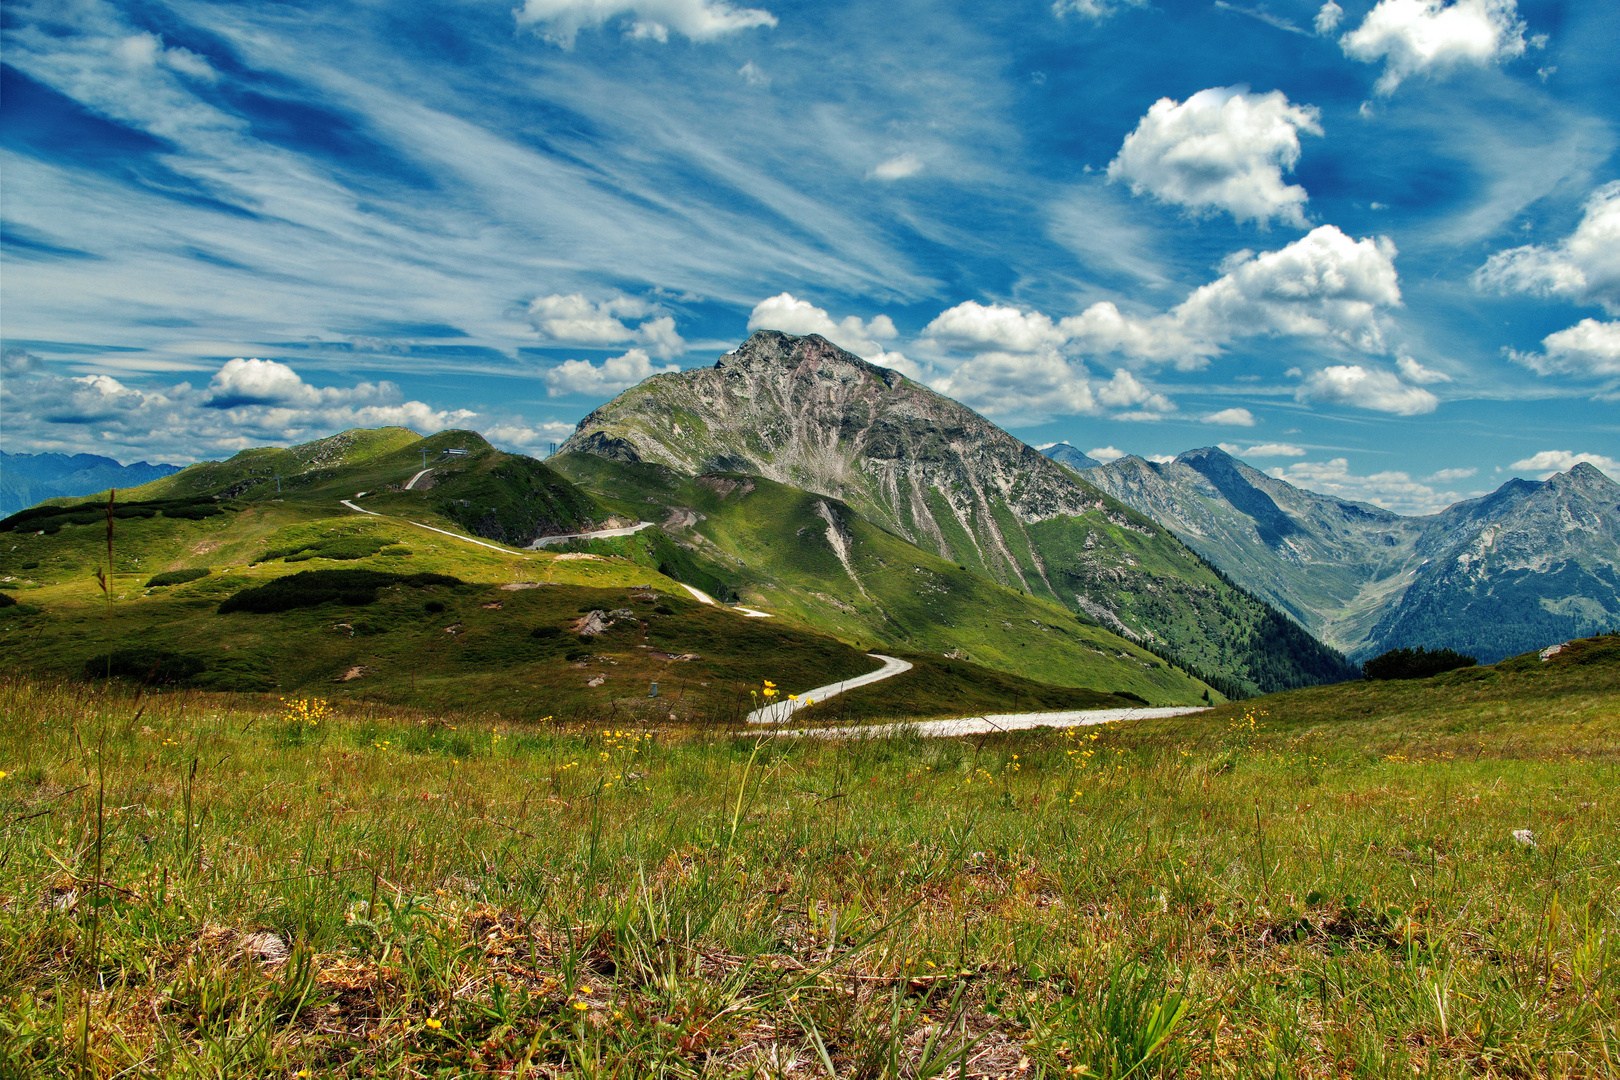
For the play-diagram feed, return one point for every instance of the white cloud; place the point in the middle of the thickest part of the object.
(1584, 266)
(1327, 18)
(575, 320)
(1105, 454)
(1414, 372)
(1236, 417)
(1366, 388)
(1392, 490)
(1124, 389)
(1414, 37)
(248, 402)
(1093, 9)
(526, 438)
(790, 315)
(147, 51)
(1549, 462)
(1221, 149)
(1269, 449)
(1161, 459)
(1025, 388)
(598, 380)
(1446, 476)
(754, 75)
(980, 327)
(1587, 348)
(1323, 285)
(699, 20)
(897, 168)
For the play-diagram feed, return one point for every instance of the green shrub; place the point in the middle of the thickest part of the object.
(315, 587)
(663, 609)
(546, 632)
(155, 667)
(434, 606)
(178, 577)
(7, 600)
(1418, 663)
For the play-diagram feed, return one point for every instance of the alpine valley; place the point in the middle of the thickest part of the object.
(1532, 564)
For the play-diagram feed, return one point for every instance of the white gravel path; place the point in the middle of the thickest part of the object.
(599, 534)
(983, 725)
(778, 711)
(704, 598)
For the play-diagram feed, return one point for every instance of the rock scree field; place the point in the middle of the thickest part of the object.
(1386, 879)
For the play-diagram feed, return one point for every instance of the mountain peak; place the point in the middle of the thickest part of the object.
(772, 350)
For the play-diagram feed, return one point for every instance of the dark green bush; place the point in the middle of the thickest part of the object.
(178, 577)
(194, 512)
(435, 606)
(7, 600)
(315, 587)
(663, 609)
(577, 654)
(546, 632)
(154, 667)
(1418, 663)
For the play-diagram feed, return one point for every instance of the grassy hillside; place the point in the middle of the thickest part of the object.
(813, 559)
(1371, 880)
(504, 638)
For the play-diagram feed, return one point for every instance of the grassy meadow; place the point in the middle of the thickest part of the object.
(1320, 883)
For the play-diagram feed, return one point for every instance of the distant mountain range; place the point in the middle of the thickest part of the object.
(1532, 564)
(26, 479)
(803, 413)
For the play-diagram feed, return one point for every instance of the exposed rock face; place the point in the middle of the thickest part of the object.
(1529, 564)
(800, 411)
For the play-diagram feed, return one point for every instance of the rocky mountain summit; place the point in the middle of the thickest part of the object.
(1531, 564)
(803, 412)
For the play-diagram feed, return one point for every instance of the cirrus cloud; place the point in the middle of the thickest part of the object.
(1222, 149)
(651, 20)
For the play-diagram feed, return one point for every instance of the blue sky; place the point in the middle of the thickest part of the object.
(1372, 248)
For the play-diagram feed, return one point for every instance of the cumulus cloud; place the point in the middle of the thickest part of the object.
(1161, 459)
(1125, 390)
(18, 361)
(1391, 490)
(789, 314)
(1221, 149)
(1026, 388)
(1322, 285)
(1587, 348)
(248, 402)
(1105, 454)
(897, 168)
(754, 75)
(560, 21)
(1366, 388)
(1548, 462)
(1446, 476)
(1236, 417)
(1414, 372)
(1584, 266)
(1270, 449)
(599, 380)
(575, 320)
(1093, 9)
(1327, 18)
(1421, 37)
(521, 437)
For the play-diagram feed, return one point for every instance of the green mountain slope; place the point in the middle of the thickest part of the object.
(812, 559)
(398, 612)
(802, 412)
